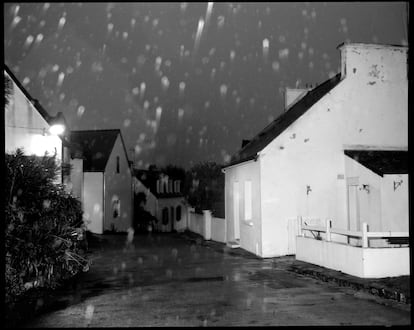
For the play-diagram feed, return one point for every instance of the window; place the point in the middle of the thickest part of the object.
(165, 216)
(116, 208)
(117, 164)
(178, 213)
(248, 200)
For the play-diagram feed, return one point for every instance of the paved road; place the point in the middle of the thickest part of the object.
(165, 280)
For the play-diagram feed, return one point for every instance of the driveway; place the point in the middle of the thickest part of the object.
(166, 280)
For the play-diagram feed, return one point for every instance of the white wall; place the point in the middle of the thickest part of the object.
(169, 203)
(93, 201)
(395, 203)
(196, 223)
(118, 186)
(356, 113)
(25, 128)
(250, 230)
(356, 261)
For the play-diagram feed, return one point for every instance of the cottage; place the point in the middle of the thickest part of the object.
(106, 183)
(339, 152)
(164, 199)
(30, 127)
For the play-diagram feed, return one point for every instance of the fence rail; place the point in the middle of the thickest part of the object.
(365, 235)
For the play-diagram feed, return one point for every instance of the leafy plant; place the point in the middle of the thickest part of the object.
(43, 226)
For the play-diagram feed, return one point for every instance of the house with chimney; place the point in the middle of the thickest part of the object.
(335, 161)
(164, 199)
(105, 183)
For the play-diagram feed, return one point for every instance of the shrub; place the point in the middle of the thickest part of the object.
(42, 226)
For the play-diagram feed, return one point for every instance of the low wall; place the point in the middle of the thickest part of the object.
(356, 261)
(196, 223)
(207, 226)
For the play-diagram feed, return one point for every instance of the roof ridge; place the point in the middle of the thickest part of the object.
(284, 114)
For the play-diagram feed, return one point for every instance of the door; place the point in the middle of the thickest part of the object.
(236, 210)
(353, 208)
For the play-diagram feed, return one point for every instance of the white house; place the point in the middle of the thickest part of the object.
(105, 185)
(338, 152)
(164, 199)
(30, 127)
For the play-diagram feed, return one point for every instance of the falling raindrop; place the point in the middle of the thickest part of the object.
(220, 21)
(81, 110)
(165, 83)
(232, 55)
(181, 87)
(223, 90)
(62, 22)
(15, 21)
(28, 41)
(265, 47)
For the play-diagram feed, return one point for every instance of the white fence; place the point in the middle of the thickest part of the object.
(361, 260)
(211, 228)
(364, 234)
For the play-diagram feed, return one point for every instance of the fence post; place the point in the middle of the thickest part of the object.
(364, 235)
(207, 224)
(190, 211)
(300, 231)
(328, 230)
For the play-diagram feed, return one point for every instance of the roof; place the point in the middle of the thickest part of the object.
(275, 128)
(381, 161)
(96, 147)
(149, 179)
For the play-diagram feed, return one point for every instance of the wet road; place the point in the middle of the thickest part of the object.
(165, 280)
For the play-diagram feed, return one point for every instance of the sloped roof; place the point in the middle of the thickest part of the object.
(149, 179)
(270, 132)
(381, 161)
(36, 104)
(96, 147)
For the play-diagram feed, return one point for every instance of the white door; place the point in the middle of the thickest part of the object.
(236, 210)
(353, 208)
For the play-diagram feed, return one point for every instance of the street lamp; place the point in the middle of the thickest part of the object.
(57, 124)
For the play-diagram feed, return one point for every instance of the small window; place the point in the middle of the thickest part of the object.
(165, 216)
(116, 208)
(178, 213)
(117, 164)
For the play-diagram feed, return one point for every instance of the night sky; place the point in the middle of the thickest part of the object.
(185, 82)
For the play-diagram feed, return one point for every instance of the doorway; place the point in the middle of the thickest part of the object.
(236, 210)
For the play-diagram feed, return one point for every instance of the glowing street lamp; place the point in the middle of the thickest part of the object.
(57, 125)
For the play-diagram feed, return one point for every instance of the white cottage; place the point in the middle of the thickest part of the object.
(29, 126)
(107, 181)
(339, 152)
(164, 199)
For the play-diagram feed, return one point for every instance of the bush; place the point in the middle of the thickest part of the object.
(43, 226)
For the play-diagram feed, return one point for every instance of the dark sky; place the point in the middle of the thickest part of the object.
(185, 82)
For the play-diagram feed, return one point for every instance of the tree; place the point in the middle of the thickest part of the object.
(42, 226)
(204, 187)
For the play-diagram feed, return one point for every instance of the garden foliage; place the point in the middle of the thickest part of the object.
(43, 226)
